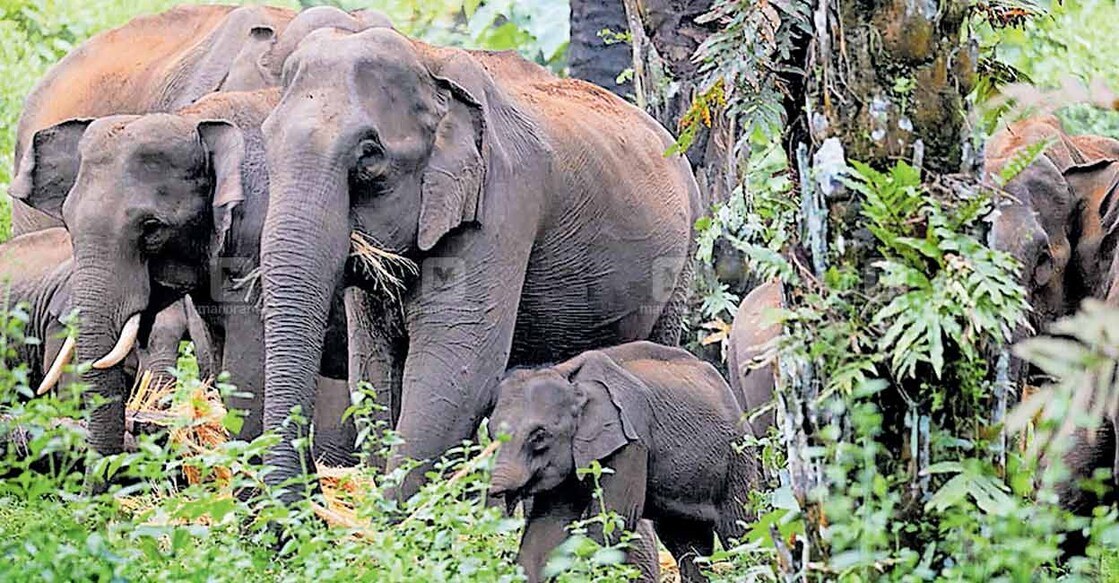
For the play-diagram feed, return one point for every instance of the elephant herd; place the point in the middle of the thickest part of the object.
(317, 201)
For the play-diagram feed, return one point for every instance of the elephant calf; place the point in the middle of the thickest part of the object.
(663, 420)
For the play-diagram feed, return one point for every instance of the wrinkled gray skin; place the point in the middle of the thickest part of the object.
(751, 338)
(35, 269)
(1059, 220)
(124, 71)
(160, 206)
(663, 420)
(536, 236)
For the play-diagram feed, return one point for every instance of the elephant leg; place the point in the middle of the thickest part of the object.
(643, 553)
(200, 335)
(460, 334)
(547, 518)
(623, 492)
(162, 351)
(669, 325)
(243, 359)
(687, 540)
(376, 356)
(334, 437)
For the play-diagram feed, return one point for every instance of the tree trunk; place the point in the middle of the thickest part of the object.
(887, 82)
(667, 80)
(592, 57)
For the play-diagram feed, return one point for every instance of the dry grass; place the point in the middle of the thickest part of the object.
(388, 271)
(195, 423)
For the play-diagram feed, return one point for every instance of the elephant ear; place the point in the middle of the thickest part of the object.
(225, 146)
(245, 72)
(50, 167)
(61, 303)
(1096, 183)
(455, 176)
(611, 411)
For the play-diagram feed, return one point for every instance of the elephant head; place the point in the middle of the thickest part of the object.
(146, 200)
(261, 62)
(1058, 220)
(560, 419)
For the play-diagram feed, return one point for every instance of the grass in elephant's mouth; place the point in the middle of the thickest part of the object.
(388, 271)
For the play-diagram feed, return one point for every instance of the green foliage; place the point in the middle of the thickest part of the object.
(1067, 43)
(746, 64)
(902, 356)
(949, 287)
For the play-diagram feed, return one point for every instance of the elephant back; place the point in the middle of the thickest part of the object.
(751, 338)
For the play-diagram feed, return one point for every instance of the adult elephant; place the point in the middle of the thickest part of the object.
(543, 215)
(160, 206)
(1060, 219)
(153, 63)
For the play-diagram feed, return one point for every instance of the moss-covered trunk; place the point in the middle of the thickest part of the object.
(886, 82)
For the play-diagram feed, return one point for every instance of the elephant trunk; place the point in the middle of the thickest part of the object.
(509, 476)
(304, 247)
(109, 299)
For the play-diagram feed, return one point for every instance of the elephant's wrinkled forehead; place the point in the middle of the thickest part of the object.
(542, 389)
(169, 138)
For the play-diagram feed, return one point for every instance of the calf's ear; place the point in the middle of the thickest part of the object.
(608, 415)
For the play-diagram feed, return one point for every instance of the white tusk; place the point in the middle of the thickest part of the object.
(55, 371)
(124, 344)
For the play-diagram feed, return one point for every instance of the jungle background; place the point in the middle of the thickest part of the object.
(973, 511)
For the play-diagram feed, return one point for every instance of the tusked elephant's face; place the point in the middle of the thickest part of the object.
(539, 410)
(140, 196)
(143, 189)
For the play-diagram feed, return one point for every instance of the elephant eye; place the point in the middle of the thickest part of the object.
(150, 230)
(369, 149)
(539, 439)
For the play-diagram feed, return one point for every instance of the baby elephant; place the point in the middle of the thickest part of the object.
(663, 420)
